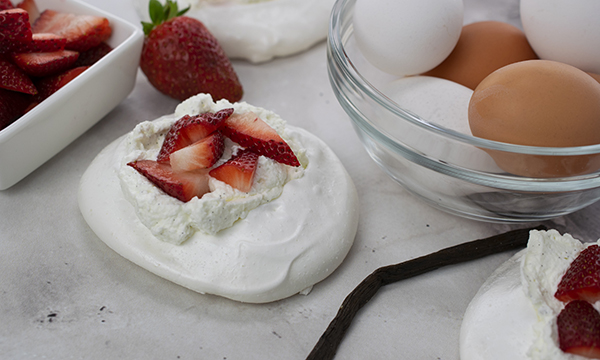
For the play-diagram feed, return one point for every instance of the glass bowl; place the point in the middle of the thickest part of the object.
(450, 170)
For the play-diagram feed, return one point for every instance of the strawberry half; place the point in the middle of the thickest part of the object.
(45, 63)
(238, 171)
(253, 133)
(181, 58)
(199, 155)
(82, 32)
(582, 279)
(182, 186)
(13, 78)
(15, 30)
(579, 329)
(190, 129)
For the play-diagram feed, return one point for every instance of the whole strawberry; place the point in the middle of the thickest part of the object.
(181, 58)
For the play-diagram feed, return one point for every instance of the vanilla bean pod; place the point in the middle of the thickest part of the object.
(326, 347)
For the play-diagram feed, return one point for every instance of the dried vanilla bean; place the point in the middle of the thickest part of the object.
(327, 345)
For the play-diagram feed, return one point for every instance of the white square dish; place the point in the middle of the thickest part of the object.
(52, 125)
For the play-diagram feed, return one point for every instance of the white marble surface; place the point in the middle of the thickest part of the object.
(66, 295)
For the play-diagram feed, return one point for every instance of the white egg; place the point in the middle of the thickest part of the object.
(564, 30)
(407, 37)
(259, 30)
(441, 103)
(434, 100)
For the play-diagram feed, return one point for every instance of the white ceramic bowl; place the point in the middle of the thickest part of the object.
(57, 121)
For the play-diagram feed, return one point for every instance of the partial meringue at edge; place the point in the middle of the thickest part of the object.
(259, 31)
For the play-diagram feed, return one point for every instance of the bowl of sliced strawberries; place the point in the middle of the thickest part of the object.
(56, 55)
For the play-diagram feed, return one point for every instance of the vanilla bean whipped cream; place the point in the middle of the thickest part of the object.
(174, 221)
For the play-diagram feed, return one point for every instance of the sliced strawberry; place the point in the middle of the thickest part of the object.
(182, 186)
(253, 133)
(579, 329)
(46, 42)
(12, 105)
(91, 56)
(15, 30)
(45, 63)
(6, 4)
(190, 129)
(582, 279)
(31, 7)
(200, 155)
(83, 32)
(31, 105)
(238, 171)
(13, 78)
(50, 84)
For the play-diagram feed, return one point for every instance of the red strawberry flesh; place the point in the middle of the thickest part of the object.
(582, 279)
(82, 32)
(31, 7)
(13, 78)
(91, 56)
(182, 186)
(238, 171)
(50, 84)
(579, 329)
(45, 63)
(15, 30)
(190, 129)
(253, 133)
(6, 4)
(46, 42)
(200, 155)
(12, 105)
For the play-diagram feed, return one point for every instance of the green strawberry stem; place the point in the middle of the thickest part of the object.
(160, 13)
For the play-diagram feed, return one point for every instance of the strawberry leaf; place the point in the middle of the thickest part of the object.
(170, 10)
(156, 12)
(181, 12)
(147, 27)
(160, 13)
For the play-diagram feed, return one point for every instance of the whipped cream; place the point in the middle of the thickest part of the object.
(513, 316)
(279, 249)
(548, 257)
(174, 221)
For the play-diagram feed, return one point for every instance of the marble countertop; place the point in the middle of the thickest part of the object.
(65, 295)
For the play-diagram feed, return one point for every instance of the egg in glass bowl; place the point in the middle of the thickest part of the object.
(416, 128)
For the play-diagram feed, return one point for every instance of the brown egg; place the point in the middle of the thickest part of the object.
(595, 76)
(482, 48)
(539, 103)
